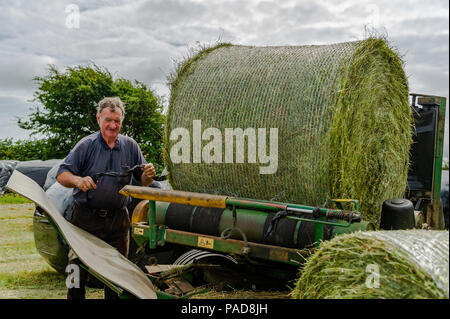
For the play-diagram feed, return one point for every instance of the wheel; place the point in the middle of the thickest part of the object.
(195, 255)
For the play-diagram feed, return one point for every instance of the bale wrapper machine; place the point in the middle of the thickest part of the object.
(266, 242)
(263, 243)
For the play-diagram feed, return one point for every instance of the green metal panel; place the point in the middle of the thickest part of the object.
(152, 223)
(250, 220)
(236, 247)
(319, 232)
(140, 234)
(161, 209)
(438, 217)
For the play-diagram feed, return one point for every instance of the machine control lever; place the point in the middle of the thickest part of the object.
(125, 174)
(349, 216)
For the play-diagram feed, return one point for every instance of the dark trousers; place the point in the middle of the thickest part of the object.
(114, 229)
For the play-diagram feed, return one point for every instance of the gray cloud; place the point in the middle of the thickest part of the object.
(140, 39)
(18, 70)
(426, 61)
(12, 108)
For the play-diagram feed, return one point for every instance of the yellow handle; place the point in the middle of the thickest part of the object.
(171, 196)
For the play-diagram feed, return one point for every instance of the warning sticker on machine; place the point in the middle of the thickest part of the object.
(205, 242)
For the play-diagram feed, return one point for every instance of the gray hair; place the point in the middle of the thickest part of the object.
(113, 103)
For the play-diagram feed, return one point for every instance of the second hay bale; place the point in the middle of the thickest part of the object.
(398, 264)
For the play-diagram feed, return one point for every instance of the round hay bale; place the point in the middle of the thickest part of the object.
(341, 112)
(382, 264)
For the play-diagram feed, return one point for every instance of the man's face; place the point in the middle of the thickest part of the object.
(110, 122)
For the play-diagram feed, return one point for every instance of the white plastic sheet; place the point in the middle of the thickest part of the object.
(427, 249)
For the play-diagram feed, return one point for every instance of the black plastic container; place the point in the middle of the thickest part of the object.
(397, 213)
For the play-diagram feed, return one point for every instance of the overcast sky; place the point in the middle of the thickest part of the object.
(141, 39)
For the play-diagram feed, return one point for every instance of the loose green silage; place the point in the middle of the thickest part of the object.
(342, 113)
(347, 266)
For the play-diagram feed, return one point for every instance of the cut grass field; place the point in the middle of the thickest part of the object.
(24, 274)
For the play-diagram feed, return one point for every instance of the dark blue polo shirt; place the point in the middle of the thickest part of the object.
(92, 155)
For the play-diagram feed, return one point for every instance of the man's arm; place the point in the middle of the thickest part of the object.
(70, 180)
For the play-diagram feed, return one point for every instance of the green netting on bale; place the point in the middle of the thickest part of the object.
(410, 264)
(341, 110)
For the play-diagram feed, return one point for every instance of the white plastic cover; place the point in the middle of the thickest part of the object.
(62, 198)
(6, 169)
(427, 249)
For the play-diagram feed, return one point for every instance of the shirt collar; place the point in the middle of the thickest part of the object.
(105, 145)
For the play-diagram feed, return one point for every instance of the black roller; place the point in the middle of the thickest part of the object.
(306, 233)
(397, 213)
(178, 216)
(285, 232)
(206, 220)
(200, 220)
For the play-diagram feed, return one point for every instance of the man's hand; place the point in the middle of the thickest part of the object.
(85, 183)
(148, 172)
(67, 179)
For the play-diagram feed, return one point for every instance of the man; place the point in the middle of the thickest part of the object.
(98, 206)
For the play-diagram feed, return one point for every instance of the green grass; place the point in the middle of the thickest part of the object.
(11, 198)
(24, 274)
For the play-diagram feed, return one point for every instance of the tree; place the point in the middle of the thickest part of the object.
(66, 107)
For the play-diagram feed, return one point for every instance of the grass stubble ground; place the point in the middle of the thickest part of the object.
(24, 274)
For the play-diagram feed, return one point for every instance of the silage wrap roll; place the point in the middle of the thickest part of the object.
(408, 264)
(341, 110)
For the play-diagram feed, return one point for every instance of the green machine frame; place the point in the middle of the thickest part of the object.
(429, 154)
(152, 234)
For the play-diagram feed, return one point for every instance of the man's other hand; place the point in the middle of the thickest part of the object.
(149, 171)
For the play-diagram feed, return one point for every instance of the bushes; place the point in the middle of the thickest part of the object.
(26, 150)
